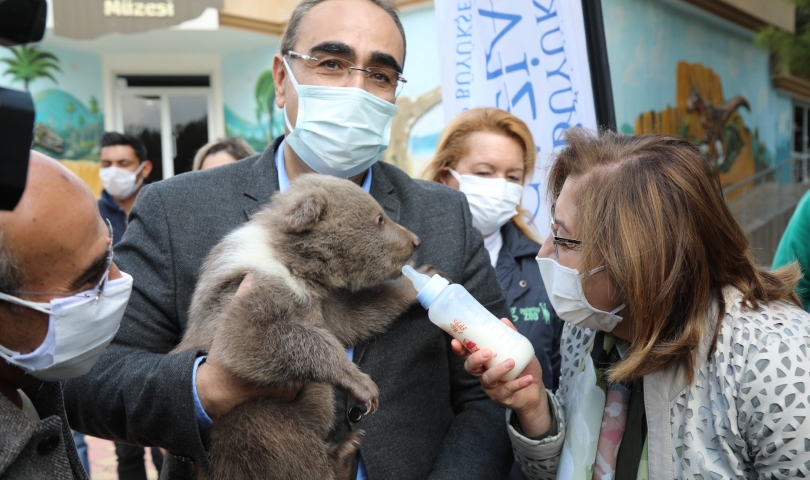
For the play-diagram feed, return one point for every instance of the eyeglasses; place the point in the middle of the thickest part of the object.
(336, 72)
(565, 242)
(96, 292)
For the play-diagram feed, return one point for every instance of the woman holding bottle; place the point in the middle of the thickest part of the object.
(682, 358)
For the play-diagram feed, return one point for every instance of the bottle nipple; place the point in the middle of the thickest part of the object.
(419, 280)
(428, 288)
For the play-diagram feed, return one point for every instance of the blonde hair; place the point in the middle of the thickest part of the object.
(234, 146)
(652, 212)
(454, 145)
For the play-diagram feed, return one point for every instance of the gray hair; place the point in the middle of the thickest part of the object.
(291, 32)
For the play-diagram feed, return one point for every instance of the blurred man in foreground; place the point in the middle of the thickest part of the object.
(61, 301)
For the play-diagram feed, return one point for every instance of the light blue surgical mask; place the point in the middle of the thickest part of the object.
(339, 131)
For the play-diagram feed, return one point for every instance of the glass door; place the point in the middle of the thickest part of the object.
(189, 128)
(172, 122)
(143, 120)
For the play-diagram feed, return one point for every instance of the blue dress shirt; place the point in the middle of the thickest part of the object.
(204, 422)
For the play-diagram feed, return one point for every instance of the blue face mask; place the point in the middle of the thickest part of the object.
(339, 131)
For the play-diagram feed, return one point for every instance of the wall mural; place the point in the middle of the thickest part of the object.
(415, 132)
(30, 63)
(268, 125)
(704, 117)
(261, 133)
(66, 127)
(250, 97)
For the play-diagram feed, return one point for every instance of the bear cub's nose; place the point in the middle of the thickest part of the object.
(416, 243)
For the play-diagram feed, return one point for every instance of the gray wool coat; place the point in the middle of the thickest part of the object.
(434, 420)
(45, 449)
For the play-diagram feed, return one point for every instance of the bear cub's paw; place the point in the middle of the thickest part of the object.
(363, 389)
(343, 453)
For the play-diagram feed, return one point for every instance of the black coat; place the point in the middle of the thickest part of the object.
(528, 301)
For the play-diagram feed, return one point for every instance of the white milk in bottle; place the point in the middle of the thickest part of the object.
(456, 312)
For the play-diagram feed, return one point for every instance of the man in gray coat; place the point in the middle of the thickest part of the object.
(337, 78)
(53, 248)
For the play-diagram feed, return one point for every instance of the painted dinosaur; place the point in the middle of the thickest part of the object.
(714, 118)
(45, 138)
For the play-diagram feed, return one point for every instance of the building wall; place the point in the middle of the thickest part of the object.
(781, 13)
(273, 16)
(422, 56)
(68, 100)
(249, 95)
(276, 11)
(660, 53)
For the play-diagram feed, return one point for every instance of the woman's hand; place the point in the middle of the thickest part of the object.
(525, 395)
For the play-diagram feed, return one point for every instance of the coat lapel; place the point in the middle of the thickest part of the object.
(262, 180)
(509, 267)
(382, 190)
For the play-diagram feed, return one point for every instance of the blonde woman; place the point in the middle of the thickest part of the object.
(488, 154)
(681, 357)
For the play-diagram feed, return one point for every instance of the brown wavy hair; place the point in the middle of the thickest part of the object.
(653, 213)
(453, 146)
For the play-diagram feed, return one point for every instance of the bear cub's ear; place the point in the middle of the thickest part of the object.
(306, 211)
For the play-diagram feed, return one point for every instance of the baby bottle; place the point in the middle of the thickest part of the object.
(456, 312)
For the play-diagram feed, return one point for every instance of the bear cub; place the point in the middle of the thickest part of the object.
(326, 261)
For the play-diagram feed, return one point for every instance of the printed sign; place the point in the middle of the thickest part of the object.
(85, 19)
(128, 8)
(528, 57)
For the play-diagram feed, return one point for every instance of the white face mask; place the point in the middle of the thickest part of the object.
(121, 183)
(493, 201)
(339, 131)
(564, 288)
(79, 329)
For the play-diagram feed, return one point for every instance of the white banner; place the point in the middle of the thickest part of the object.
(528, 57)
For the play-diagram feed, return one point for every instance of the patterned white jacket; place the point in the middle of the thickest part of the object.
(745, 416)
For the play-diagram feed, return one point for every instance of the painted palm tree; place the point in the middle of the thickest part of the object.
(93, 105)
(95, 130)
(30, 63)
(265, 95)
(70, 108)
